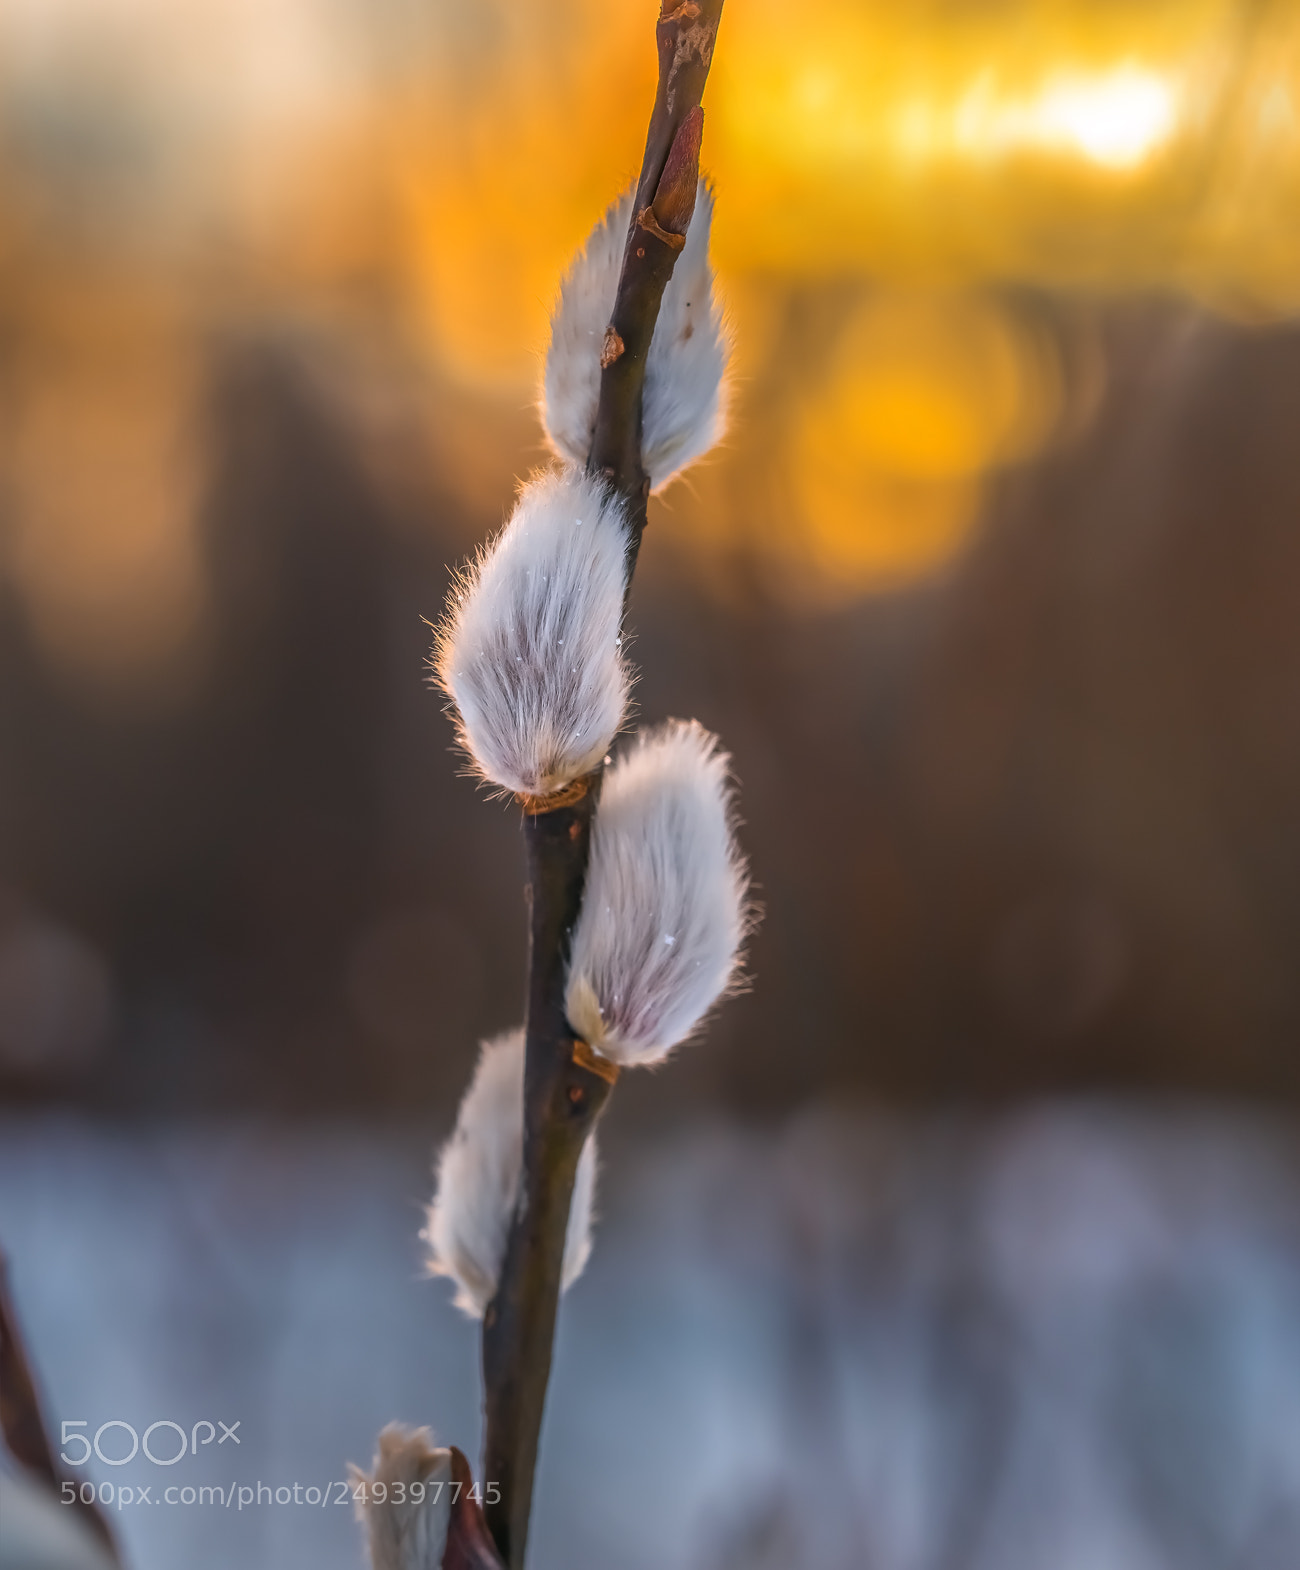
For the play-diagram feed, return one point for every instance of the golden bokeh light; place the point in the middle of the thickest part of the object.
(101, 463)
(422, 175)
(934, 388)
(924, 397)
(1046, 141)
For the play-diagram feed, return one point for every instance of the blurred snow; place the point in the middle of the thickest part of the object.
(1065, 1339)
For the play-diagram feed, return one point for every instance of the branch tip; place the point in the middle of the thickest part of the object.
(692, 29)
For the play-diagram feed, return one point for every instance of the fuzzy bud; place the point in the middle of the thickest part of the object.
(684, 401)
(664, 913)
(406, 1532)
(530, 649)
(478, 1182)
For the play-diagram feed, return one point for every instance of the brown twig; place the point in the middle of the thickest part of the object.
(20, 1415)
(565, 1090)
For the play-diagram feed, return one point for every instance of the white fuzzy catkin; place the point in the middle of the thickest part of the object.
(664, 913)
(405, 1534)
(530, 650)
(478, 1182)
(684, 403)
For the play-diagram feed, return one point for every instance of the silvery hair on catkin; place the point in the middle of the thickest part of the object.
(403, 1531)
(684, 401)
(664, 912)
(478, 1182)
(530, 651)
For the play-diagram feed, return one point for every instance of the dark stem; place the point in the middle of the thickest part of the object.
(562, 1099)
(565, 1087)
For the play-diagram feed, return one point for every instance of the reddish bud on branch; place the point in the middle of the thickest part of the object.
(675, 197)
(469, 1543)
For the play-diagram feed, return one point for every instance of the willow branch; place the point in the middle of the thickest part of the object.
(565, 1085)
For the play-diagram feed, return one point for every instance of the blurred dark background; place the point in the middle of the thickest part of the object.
(1028, 825)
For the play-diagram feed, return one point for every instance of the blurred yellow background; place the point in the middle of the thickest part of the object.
(915, 206)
